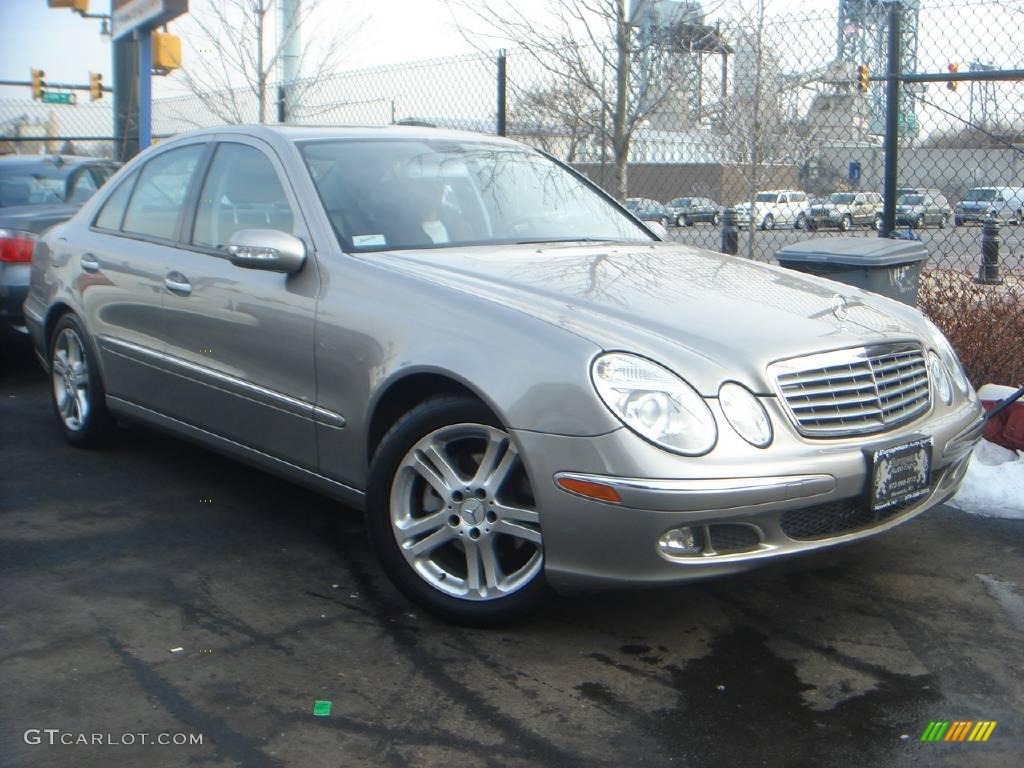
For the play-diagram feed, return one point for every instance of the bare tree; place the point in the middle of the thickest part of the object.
(238, 46)
(586, 47)
(559, 119)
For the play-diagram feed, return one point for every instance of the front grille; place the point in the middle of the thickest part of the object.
(836, 518)
(854, 391)
(732, 537)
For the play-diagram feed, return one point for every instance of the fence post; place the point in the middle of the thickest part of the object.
(988, 272)
(502, 101)
(730, 235)
(282, 110)
(892, 122)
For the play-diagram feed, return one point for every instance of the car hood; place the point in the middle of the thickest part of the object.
(708, 316)
(35, 218)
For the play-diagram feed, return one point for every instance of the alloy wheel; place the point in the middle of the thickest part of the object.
(70, 373)
(463, 514)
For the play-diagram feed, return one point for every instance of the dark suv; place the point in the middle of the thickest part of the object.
(692, 210)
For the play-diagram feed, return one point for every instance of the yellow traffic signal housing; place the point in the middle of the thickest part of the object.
(863, 78)
(952, 84)
(166, 51)
(81, 6)
(38, 84)
(95, 86)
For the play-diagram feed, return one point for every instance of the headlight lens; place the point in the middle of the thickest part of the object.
(950, 358)
(941, 378)
(745, 414)
(655, 403)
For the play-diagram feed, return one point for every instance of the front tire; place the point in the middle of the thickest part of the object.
(943, 221)
(801, 222)
(76, 391)
(451, 515)
(846, 223)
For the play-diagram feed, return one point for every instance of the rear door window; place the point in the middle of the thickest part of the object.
(157, 201)
(112, 212)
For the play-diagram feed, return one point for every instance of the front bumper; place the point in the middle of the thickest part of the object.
(769, 496)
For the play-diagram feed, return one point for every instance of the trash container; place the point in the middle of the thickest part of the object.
(889, 267)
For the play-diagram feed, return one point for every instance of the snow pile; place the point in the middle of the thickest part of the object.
(994, 484)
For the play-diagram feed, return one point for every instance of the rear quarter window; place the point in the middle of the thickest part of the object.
(112, 212)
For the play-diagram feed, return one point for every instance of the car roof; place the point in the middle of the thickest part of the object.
(294, 133)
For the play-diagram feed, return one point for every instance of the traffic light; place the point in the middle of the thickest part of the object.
(166, 52)
(38, 84)
(95, 86)
(952, 84)
(79, 6)
(863, 78)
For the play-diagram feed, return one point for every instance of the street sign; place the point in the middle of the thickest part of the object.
(54, 97)
(144, 14)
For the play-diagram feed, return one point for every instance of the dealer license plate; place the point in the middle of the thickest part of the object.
(901, 474)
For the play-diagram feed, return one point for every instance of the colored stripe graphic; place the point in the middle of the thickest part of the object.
(959, 730)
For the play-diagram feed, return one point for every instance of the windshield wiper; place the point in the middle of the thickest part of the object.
(566, 240)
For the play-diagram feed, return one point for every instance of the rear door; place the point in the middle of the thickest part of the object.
(241, 340)
(122, 260)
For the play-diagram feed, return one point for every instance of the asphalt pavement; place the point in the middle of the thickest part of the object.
(111, 560)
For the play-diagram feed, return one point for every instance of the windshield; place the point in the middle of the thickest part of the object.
(981, 194)
(910, 200)
(425, 193)
(31, 187)
(680, 202)
(841, 198)
(766, 197)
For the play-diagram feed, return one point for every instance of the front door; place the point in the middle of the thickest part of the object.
(242, 339)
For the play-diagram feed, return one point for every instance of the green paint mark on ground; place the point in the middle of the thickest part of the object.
(321, 708)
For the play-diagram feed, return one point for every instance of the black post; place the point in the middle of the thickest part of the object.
(282, 111)
(892, 122)
(988, 272)
(126, 98)
(730, 234)
(502, 101)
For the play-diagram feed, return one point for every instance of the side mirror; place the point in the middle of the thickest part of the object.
(657, 229)
(268, 249)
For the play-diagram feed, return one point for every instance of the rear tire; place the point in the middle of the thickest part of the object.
(768, 223)
(716, 219)
(846, 223)
(943, 221)
(451, 516)
(681, 221)
(76, 390)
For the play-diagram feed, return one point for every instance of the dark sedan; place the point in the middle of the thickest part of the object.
(37, 192)
(692, 210)
(646, 209)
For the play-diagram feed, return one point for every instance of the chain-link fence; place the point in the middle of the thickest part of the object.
(697, 112)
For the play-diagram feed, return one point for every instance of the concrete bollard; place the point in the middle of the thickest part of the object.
(988, 272)
(730, 235)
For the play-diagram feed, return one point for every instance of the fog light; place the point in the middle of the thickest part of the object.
(681, 541)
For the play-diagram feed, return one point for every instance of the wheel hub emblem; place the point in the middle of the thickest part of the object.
(472, 512)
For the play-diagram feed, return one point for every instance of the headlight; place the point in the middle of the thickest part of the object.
(949, 357)
(941, 378)
(745, 414)
(655, 403)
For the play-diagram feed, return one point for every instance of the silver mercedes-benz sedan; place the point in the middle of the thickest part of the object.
(519, 384)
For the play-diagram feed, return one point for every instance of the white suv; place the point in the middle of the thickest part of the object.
(775, 207)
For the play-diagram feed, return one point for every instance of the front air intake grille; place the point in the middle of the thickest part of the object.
(726, 538)
(836, 518)
(854, 391)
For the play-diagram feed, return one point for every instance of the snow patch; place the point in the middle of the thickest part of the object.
(994, 483)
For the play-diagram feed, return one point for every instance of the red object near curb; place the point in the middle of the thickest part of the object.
(1007, 427)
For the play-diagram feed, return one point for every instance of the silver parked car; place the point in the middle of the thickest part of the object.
(518, 383)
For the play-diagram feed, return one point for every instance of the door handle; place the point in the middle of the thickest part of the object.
(89, 263)
(178, 284)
